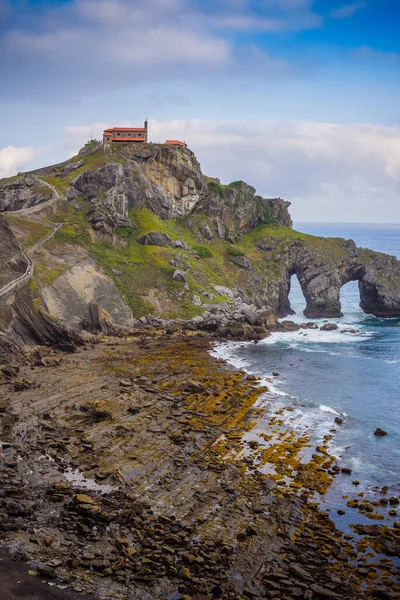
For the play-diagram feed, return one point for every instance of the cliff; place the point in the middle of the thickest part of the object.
(145, 235)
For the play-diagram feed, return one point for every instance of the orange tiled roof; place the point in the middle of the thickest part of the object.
(175, 142)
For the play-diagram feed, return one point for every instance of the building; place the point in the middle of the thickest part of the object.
(175, 143)
(126, 134)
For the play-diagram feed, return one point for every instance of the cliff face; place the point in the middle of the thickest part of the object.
(22, 192)
(146, 235)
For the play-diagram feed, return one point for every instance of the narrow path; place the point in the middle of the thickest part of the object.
(29, 262)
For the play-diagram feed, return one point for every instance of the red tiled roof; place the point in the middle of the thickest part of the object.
(175, 142)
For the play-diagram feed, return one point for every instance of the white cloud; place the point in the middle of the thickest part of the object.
(91, 45)
(330, 172)
(348, 10)
(13, 158)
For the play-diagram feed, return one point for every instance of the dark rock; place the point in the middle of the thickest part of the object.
(47, 572)
(380, 432)
(24, 191)
(329, 327)
(155, 238)
(179, 276)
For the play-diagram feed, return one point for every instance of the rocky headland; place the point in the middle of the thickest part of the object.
(127, 465)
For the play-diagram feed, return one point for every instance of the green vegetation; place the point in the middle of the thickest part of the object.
(219, 188)
(31, 232)
(235, 252)
(91, 162)
(202, 251)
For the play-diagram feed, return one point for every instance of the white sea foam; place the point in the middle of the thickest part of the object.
(316, 336)
(328, 409)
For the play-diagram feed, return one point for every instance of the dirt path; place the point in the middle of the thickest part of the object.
(26, 255)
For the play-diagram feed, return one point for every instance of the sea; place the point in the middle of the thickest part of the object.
(325, 374)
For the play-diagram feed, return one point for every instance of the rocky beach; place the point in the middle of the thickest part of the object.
(127, 473)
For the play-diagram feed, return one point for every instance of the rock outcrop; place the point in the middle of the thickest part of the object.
(11, 262)
(23, 191)
(71, 297)
(237, 209)
(166, 180)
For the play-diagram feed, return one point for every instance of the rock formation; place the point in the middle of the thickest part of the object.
(23, 191)
(147, 236)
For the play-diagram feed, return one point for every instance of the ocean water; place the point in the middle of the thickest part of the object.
(326, 374)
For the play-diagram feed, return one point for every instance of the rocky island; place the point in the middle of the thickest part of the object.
(126, 467)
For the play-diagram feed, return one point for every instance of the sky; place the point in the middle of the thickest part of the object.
(300, 98)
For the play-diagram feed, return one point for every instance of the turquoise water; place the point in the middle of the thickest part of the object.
(325, 374)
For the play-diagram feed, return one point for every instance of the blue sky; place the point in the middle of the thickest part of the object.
(300, 98)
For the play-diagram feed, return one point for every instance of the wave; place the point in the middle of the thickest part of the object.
(328, 409)
(316, 336)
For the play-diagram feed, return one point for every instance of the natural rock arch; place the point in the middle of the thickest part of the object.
(322, 274)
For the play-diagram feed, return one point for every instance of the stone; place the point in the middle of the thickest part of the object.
(325, 592)
(84, 499)
(206, 231)
(380, 432)
(179, 276)
(196, 301)
(184, 573)
(242, 261)
(221, 231)
(338, 421)
(300, 572)
(155, 238)
(329, 327)
(47, 572)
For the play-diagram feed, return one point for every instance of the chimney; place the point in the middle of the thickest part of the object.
(146, 125)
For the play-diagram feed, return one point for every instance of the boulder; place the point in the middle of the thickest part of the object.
(179, 276)
(380, 432)
(155, 238)
(329, 327)
(206, 231)
(250, 314)
(242, 261)
(196, 301)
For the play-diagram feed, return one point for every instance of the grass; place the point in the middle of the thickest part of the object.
(235, 252)
(91, 162)
(32, 231)
(202, 251)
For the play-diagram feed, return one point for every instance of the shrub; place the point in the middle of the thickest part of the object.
(203, 251)
(218, 188)
(236, 184)
(124, 232)
(235, 252)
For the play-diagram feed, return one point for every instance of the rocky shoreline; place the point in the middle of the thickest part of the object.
(126, 472)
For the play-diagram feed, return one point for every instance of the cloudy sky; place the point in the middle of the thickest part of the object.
(301, 98)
